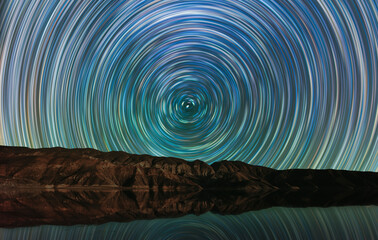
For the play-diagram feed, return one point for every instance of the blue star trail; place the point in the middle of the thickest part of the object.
(282, 84)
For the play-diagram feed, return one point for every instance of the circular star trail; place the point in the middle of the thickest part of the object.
(273, 83)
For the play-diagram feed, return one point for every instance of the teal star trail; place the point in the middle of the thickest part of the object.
(283, 84)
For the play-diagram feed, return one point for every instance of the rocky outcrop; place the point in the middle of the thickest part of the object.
(87, 168)
(61, 168)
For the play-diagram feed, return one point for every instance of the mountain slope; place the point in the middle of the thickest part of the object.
(87, 168)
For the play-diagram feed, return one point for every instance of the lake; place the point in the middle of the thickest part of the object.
(354, 222)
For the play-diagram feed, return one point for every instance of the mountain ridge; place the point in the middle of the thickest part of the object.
(90, 168)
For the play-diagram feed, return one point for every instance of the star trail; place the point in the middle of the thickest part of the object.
(282, 84)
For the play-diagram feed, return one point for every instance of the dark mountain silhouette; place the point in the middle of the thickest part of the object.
(63, 168)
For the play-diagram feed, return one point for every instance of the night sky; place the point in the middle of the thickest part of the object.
(282, 84)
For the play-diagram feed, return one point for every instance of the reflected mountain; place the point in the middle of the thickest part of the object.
(31, 207)
(84, 186)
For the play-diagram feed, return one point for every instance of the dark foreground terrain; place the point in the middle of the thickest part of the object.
(86, 186)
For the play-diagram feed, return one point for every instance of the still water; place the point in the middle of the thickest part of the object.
(356, 222)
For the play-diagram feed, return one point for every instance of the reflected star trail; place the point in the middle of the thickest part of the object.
(273, 83)
(275, 223)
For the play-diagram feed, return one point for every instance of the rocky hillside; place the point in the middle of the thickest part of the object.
(87, 168)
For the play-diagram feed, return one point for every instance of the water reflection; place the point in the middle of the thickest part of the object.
(356, 222)
(67, 207)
